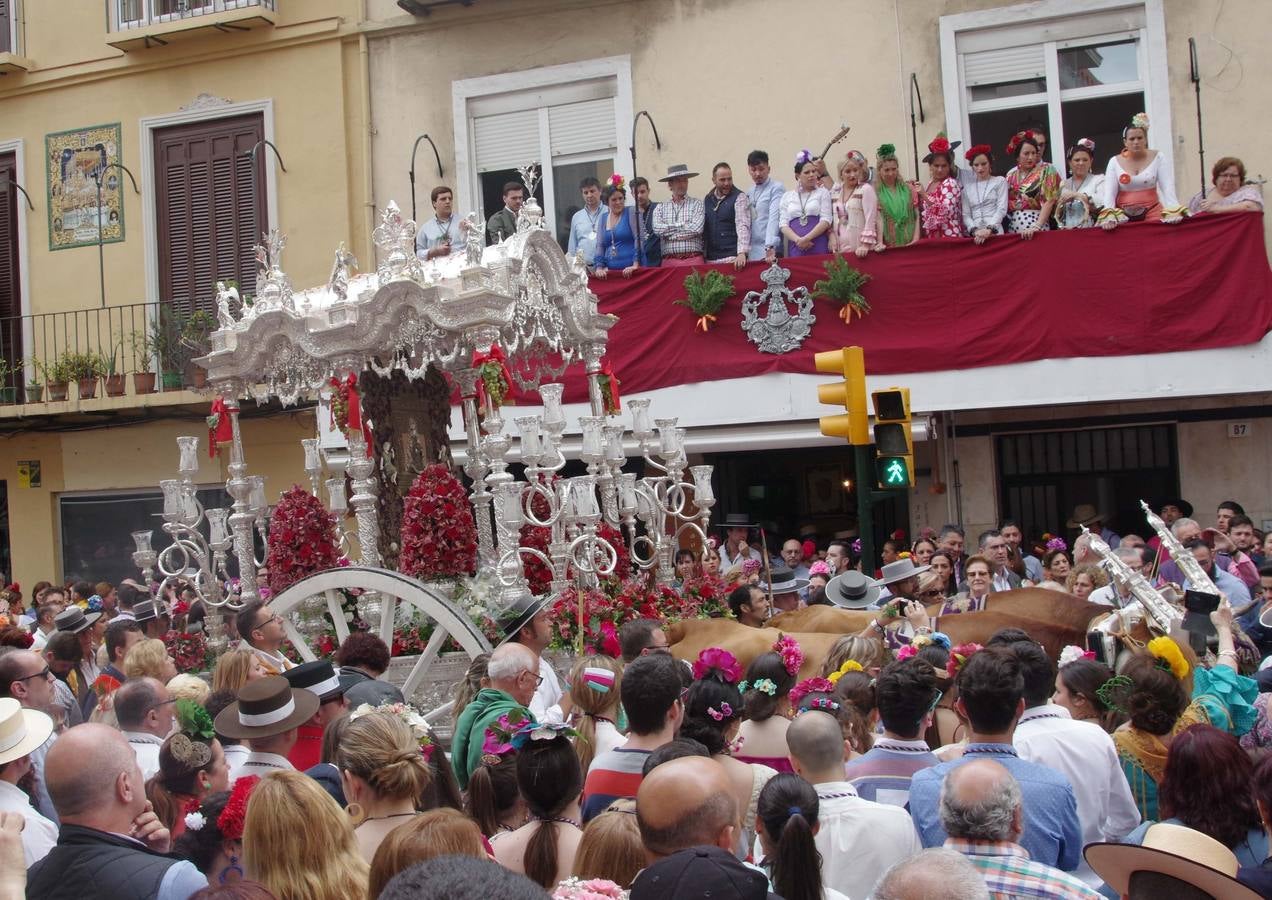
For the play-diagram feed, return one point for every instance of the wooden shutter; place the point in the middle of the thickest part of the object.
(10, 277)
(208, 218)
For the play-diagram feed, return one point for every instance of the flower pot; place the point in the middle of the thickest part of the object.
(87, 388)
(34, 393)
(8, 395)
(143, 382)
(198, 377)
(171, 381)
(114, 385)
(57, 391)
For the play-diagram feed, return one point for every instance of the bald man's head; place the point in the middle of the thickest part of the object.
(686, 802)
(935, 872)
(816, 744)
(980, 801)
(91, 771)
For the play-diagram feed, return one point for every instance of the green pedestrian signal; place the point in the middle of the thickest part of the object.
(893, 471)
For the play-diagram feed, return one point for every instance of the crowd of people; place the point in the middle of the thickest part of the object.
(858, 208)
(903, 767)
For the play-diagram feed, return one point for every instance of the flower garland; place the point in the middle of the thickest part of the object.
(412, 719)
(230, 821)
(792, 656)
(302, 539)
(809, 686)
(717, 661)
(439, 536)
(1169, 656)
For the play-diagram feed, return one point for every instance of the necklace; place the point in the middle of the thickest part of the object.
(390, 816)
(980, 201)
(562, 819)
(803, 207)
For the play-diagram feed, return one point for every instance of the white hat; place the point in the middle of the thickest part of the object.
(21, 730)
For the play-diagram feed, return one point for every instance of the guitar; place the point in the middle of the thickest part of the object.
(839, 136)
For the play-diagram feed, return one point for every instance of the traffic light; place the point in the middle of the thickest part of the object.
(850, 393)
(894, 446)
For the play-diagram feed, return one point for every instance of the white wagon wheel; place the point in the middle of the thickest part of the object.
(393, 588)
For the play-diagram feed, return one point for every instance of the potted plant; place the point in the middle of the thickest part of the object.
(85, 368)
(143, 354)
(56, 377)
(35, 387)
(165, 343)
(196, 334)
(114, 378)
(9, 392)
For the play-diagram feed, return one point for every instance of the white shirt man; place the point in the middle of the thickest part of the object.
(144, 708)
(1084, 753)
(441, 235)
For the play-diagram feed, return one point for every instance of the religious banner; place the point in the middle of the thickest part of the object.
(76, 208)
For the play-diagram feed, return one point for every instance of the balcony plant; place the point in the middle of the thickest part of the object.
(35, 387)
(165, 343)
(8, 391)
(57, 375)
(114, 378)
(86, 368)
(143, 354)
(196, 338)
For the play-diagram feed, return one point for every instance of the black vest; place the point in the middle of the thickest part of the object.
(720, 229)
(88, 864)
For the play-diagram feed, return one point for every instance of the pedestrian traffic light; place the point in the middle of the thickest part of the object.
(849, 393)
(894, 463)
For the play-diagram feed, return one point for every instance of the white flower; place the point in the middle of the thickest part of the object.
(194, 821)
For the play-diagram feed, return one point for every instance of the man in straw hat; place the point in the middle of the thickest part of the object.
(111, 845)
(678, 222)
(1173, 861)
(267, 715)
(528, 622)
(784, 588)
(23, 731)
(981, 809)
(27, 678)
(1086, 514)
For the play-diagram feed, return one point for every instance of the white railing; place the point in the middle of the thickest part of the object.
(126, 14)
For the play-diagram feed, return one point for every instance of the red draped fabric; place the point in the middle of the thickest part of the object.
(949, 304)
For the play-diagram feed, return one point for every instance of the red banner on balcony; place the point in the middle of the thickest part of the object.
(949, 304)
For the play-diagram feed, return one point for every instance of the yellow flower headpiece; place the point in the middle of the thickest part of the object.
(1169, 656)
(850, 665)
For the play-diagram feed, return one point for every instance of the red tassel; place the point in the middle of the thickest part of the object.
(613, 402)
(220, 428)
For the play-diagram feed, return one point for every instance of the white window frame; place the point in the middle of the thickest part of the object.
(147, 127)
(148, 16)
(1154, 79)
(462, 91)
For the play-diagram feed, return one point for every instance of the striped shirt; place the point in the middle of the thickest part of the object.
(883, 772)
(680, 226)
(1009, 872)
(614, 775)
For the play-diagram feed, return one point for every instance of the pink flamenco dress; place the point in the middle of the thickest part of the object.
(942, 210)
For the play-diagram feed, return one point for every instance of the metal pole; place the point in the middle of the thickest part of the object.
(1195, 74)
(914, 128)
(865, 506)
(101, 258)
(437, 156)
(640, 243)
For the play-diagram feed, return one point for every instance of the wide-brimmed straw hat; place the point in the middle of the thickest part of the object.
(899, 571)
(21, 730)
(678, 170)
(1183, 853)
(266, 707)
(1085, 514)
(852, 590)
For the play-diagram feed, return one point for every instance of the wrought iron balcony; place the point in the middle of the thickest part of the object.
(139, 23)
(115, 351)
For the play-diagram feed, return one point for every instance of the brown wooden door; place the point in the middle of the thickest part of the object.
(209, 220)
(10, 275)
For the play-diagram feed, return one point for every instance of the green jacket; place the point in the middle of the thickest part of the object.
(501, 226)
(470, 731)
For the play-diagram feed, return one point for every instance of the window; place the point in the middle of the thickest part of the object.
(10, 275)
(1067, 75)
(8, 27)
(96, 531)
(566, 118)
(210, 212)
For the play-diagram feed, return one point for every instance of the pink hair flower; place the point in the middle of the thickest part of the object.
(821, 567)
(809, 686)
(792, 656)
(725, 711)
(719, 661)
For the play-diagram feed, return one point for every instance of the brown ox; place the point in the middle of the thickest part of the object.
(692, 636)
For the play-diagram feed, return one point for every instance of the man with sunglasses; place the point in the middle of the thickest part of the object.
(27, 678)
(906, 695)
(262, 630)
(145, 710)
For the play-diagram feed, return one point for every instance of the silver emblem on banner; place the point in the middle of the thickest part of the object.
(777, 319)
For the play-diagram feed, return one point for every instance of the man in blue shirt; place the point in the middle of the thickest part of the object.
(766, 201)
(1234, 587)
(585, 222)
(991, 698)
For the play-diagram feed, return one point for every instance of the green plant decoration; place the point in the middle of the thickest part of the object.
(843, 284)
(705, 294)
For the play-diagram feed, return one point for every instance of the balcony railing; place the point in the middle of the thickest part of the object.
(115, 350)
(126, 14)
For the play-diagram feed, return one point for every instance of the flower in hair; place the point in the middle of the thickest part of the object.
(575, 888)
(810, 686)
(194, 720)
(1013, 146)
(977, 150)
(886, 151)
(497, 741)
(413, 720)
(195, 821)
(1169, 656)
(750, 566)
(821, 567)
(802, 157)
(616, 181)
(230, 821)
(850, 665)
(907, 651)
(719, 661)
(193, 754)
(743, 685)
(940, 144)
(959, 656)
(765, 686)
(1073, 653)
(541, 731)
(941, 639)
(856, 546)
(792, 656)
(724, 712)
(1114, 693)
(1086, 144)
(825, 704)
(1140, 120)
(1057, 543)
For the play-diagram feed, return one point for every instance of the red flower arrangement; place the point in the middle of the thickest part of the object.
(230, 821)
(809, 686)
(302, 539)
(189, 650)
(940, 144)
(439, 536)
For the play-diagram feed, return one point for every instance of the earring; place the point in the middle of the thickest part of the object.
(233, 867)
